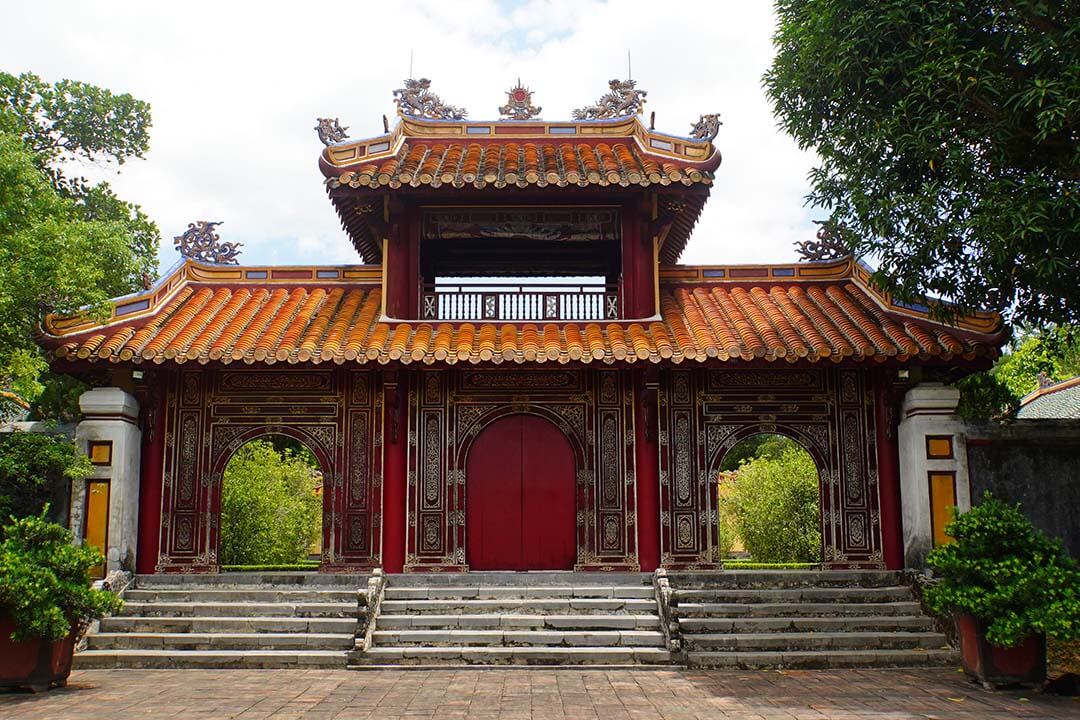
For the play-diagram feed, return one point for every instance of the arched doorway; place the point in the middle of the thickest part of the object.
(271, 506)
(520, 501)
(769, 500)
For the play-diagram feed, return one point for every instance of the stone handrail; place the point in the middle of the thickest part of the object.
(368, 601)
(669, 625)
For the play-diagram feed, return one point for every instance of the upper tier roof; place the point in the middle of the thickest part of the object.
(795, 313)
(505, 155)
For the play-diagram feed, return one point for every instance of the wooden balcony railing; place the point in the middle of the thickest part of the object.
(502, 301)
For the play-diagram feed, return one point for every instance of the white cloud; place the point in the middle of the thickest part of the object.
(236, 86)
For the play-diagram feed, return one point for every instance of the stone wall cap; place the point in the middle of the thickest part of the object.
(104, 402)
(931, 398)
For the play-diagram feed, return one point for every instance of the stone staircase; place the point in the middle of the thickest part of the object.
(231, 620)
(535, 618)
(755, 619)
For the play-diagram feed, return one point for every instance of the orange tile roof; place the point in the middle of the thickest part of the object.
(298, 321)
(453, 155)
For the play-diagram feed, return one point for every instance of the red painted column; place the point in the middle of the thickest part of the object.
(885, 420)
(395, 442)
(150, 470)
(647, 473)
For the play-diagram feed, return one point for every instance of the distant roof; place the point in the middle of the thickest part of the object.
(1059, 401)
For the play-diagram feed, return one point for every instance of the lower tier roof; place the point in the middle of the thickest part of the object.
(808, 312)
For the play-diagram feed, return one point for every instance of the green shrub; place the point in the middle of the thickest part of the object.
(1005, 572)
(45, 581)
(775, 505)
(33, 468)
(270, 514)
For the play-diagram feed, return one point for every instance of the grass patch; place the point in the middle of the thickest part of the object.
(270, 568)
(751, 565)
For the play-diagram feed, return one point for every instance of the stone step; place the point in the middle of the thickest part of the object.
(493, 621)
(788, 641)
(258, 595)
(247, 580)
(121, 624)
(101, 659)
(239, 609)
(512, 638)
(762, 579)
(824, 659)
(579, 656)
(867, 623)
(899, 593)
(541, 578)
(552, 606)
(220, 641)
(520, 592)
(804, 609)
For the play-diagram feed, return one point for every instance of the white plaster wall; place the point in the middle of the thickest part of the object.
(111, 414)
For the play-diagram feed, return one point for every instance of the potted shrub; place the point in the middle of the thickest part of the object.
(1008, 587)
(45, 598)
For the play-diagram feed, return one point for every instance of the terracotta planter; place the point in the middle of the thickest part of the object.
(1023, 664)
(36, 664)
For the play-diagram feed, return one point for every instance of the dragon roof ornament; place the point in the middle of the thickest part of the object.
(706, 127)
(199, 242)
(830, 245)
(519, 104)
(417, 100)
(622, 100)
(330, 131)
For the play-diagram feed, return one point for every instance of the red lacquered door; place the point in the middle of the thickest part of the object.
(520, 497)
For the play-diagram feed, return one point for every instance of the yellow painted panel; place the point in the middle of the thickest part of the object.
(97, 521)
(101, 453)
(939, 447)
(942, 501)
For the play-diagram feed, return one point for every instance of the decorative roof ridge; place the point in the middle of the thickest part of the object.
(337, 158)
(188, 272)
(1045, 390)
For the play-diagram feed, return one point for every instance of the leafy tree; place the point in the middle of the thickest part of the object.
(948, 133)
(775, 504)
(36, 468)
(66, 243)
(270, 513)
(765, 445)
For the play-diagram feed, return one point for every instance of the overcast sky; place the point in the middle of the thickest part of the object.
(235, 88)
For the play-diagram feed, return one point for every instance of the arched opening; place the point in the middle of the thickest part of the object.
(769, 497)
(271, 506)
(520, 497)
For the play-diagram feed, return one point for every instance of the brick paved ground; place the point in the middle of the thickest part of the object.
(528, 694)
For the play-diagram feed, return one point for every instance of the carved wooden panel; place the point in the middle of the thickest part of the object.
(449, 408)
(209, 414)
(704, 413)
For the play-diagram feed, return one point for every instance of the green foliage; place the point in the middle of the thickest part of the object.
(761, 445)
(270, 514)
(1004, 571)
(775, 504)
(45, 582)
(67, 243)
(984, 397)
(32, 465)
(751, 565)
(1053, 351)
(947, 137)
(298, 567)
